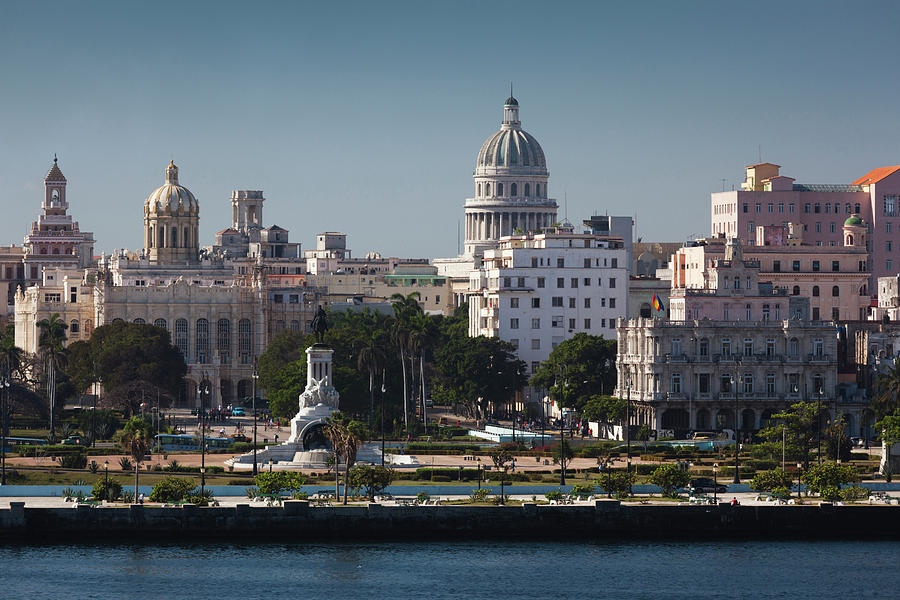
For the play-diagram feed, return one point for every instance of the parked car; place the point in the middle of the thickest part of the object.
(237, 411)
(74, 440)
(705, 485)
(239, 437)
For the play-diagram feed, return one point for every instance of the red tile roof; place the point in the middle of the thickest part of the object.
(229, 230)
(876, 175)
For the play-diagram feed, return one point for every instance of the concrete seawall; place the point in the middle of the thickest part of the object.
(298, 521)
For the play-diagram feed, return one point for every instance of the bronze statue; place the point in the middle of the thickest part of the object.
(320, 325)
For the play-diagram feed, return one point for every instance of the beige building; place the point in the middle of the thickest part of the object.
(682, 375)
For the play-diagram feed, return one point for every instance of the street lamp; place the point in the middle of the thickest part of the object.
(716, 483)
(106, 479)
(799, 474)
(628, 429)
(4, 402)
(203, 388)
(382, 417)
(562, 449)
(819, 422)
(253, 376)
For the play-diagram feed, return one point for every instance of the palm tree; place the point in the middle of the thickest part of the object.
(400, 335)
(137, 444)
(371, 357)
(52, 342)
(422, 339)
(888, 394)
(346, 437)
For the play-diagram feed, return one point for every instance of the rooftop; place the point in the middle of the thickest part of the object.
(828, 187)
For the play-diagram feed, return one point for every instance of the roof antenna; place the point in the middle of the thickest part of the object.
(54, 157)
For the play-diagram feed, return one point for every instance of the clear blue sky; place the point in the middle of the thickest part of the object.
(366, 117)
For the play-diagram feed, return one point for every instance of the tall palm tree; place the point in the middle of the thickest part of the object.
(371, 357)
(403, 306)
(137, 444)
(887, 398)
(346, 437)
(423, 338)
(52, 342)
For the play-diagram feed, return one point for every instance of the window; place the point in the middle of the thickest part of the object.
(856, 207)
(818, 227)
(806, 207)
(520, 282)
(535, 343)
(770, 347)
(499, 189)
(795, 265)
(835, 291)
(795, 291)
(726, 347)
(535, 303)
(888, 246)
(890, 206)
(73, 327)
(534, 262)
(765, 312)
(676, 346)
(612, 302)
(703, 383)
(536, 323)
(560, 263)
(676, 383)
(835, 314)
(587, 263)
(573, 282)
(771, 207)
(794, 348)
(751, 227)
(540, 282)
(201, 342)
(556, 301)
(612, 282)
(815, 267)
(507, 282)
(181, 337)
(587, 302)
(817, 208)
(815, 291)
(139, 321)
(513, 323)
(745, 208)
(791, 208)
(587, 323)
(776, 266)
(748, 347)
(244, 340)
(704, 347)
(223, 340)
(161, 323)
(725, 384)
(835, 266)
(758, 208)
(560, 282)
(512, 190)
(770, 384)
(514, 342)
(514, 303)
(586, 282)
(748, 312)
(52, 297)
(556, 321)
(571, 324)
(781, 207)
(278, 299)
(527, 190)
(571, 302)
(747, 380)
(818, 347)
(793, 383)
(815, 313)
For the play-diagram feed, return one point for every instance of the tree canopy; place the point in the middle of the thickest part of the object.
(578, 369)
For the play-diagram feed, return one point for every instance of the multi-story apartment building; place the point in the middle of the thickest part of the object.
(535, 291)
(768, 198)
(834, 278)
(701, 374)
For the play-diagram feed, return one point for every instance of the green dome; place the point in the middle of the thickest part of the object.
(511, 101)
(854, 220)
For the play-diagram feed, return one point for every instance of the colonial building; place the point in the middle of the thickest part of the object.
(534, 291)
(703, 374)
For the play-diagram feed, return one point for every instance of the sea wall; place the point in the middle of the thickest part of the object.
(299, 521)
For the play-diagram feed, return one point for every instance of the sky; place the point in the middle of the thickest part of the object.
(366, 117)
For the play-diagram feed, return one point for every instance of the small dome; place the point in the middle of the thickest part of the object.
(853, 220)
(171, 198)
(512, 101)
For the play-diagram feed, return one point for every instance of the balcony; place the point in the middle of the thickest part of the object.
(819, 359)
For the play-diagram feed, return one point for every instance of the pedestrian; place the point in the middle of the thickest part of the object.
(734, 501)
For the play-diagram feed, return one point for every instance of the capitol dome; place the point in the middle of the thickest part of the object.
(512, 147)
(171, 198)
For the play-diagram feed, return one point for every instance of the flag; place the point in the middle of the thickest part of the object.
(657, 304)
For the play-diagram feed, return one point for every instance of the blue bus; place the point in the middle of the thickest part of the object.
(12, 442)
(184, 442)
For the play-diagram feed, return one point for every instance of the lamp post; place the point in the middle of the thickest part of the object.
(253, 376)
(737, 423)
(799, 474)
(562, 449)
(106, 479)
(382, 417)
(628, 429)
(202, 390)
(716, 483)
(819, 423)
(4, 407)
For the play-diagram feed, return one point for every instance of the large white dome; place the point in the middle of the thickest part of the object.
(512, 149)
(172, 198)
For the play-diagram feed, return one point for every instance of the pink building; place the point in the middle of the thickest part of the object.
(834, 279)
(769, 198)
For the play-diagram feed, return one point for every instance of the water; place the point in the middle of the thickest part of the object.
(758, 570)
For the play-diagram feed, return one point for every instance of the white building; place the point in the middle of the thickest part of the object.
(534, 291)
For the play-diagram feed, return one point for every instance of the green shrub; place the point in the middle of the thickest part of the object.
(670, 478)
(125, 463)
(854, 492)
(480, 495)
(619, 483)
(72, 461)
(554, 495)
(441, 478)
(585, 489)
(767, 481)
(171, 489)
(279, 481)
(422, 497)
(107, 489)
(128, 496)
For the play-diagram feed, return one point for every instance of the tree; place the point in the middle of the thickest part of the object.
(670, 478)
(887, 398)
(51, 343)
(371, 479)
(136, 441)
(371, 357)
(346, 436)
(838, 443)
(404, 308)
(501, 456)
(171, 489)
(620, 483)
(798, 426)
(604, 410)
(272, 484)
(826, 479)
(889, 427)
(769, 481)
(577, 369)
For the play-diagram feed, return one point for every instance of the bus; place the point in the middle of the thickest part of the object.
(12, 442)
(184, 442)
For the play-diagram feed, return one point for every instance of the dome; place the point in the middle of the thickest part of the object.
(172, 197)
(512, 148)
(512, 101)
(853, 220)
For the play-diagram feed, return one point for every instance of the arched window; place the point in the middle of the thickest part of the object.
(139, 321)
(527, 190)
(55, 250)
(856, 208)
(73, 327)
(201, 341)
(796, 291)
(794, 347)
(513, 190)
(815, 291)
(835, 291)
(244, 340)
(43, 250)
(88, 327)
(848, 208)
(54, 196)
(499, 189)
(223, 341)
(749, 311)
(487, 189)
(737, 283)
(161, 323)
(181, 336)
